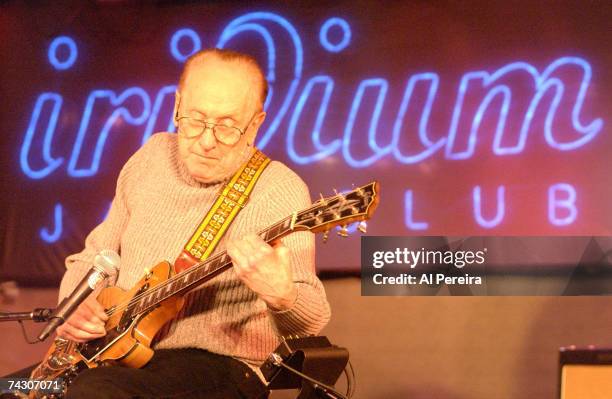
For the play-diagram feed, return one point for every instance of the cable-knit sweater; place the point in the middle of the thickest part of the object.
(156, 208)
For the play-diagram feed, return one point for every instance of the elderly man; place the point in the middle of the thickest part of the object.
(230, 324)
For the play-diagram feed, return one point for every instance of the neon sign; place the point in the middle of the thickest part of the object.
(481, 95)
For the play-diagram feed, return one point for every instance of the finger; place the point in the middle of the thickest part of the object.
(259, 249)
(62, 332)
(246, 244)
(86, 325)
(80, 335)
(97, 308)
(239, 259)
(257, 242)
(283, 254)
(65, 333)
(259, 256)
(86, 312)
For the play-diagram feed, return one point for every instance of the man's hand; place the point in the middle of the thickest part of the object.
(86, 323)
(264, 269)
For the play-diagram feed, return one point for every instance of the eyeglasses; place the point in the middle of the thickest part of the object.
(192, 128)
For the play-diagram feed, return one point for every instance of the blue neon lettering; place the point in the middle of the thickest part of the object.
(176, 38)
(409, 213)
(379, 151)
(556, 204)
(499, 212)
(72, 52)
(246, 23)
(164, 93)
(52, 236)
(543, 83)
(324, 35)
(494, 94)
(324, 150)
(120, 112)
(51, 163)
(430, 147)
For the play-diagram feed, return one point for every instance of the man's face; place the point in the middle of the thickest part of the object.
(218, 92)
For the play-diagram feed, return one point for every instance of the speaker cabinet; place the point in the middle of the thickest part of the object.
(585, 373)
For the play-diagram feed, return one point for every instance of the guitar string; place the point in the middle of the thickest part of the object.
(176, 277)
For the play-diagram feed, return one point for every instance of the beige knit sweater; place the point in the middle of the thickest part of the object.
(156, 208)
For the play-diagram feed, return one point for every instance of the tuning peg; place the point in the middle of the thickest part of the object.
(343, 232)
(322, 199)
(325, 236)
(363, 226)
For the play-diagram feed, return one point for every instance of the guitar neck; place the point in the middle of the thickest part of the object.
(200, 273)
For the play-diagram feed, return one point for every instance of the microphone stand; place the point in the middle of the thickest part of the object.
(38, 315)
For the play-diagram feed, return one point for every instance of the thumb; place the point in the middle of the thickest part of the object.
(283, 254)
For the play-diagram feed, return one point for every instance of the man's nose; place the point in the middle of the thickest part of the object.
(207, 140)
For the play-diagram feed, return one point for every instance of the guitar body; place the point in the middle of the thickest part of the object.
(132, 348)
(128, 337)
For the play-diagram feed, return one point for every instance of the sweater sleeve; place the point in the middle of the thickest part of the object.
(311, 311)
(107, 235)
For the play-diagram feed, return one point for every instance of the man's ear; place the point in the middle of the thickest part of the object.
(177, 102)
(256, 124)
(259, 120)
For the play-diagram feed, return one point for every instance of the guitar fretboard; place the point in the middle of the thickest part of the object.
(199, 273)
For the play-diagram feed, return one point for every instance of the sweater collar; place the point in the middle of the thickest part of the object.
(190, 180)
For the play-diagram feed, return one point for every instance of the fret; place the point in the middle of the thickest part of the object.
(275, 231)
(266, 235)
(226, 259)
(131, 309)
(160, 296)
(213, 264)
(155, 296)
(143, 303)
(196, 274)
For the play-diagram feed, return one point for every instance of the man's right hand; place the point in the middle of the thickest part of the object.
(86, 323)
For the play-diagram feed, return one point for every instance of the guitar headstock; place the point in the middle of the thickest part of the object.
(341, 210)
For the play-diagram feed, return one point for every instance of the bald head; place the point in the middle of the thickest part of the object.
(238, 61)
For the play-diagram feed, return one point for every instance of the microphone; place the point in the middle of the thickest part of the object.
(105, 264)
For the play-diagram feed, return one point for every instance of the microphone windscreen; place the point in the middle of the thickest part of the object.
(108, 260)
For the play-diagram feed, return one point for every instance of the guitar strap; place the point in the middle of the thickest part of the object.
(227, 206)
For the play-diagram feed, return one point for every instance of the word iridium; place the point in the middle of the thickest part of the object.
(515, 99)
(565, 81)
(413, 258)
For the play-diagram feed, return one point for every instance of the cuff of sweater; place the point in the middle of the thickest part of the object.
(301, 318)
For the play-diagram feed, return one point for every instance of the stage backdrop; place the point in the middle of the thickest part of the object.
(477, 118)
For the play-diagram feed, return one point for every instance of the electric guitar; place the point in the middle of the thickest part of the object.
(136, 315)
